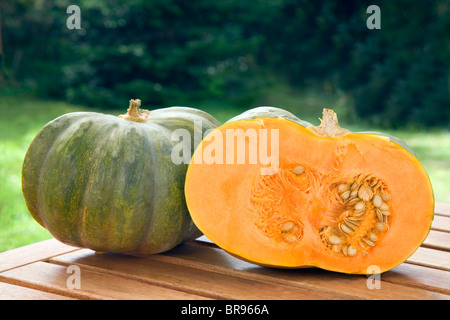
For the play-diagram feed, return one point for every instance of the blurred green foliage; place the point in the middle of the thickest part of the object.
(177, 52)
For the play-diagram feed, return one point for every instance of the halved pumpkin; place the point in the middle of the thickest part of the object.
(341, 201)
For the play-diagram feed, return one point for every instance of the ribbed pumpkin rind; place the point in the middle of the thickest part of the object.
(109, 184)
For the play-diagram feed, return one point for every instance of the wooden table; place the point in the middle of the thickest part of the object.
(200, 270)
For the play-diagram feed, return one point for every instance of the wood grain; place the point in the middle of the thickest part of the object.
(431, 258)
(53, 278)
(441, 223)
(186, 278)
(17, 292)
(32, 253)
(204, 257)
(442, 209)
(439, 240)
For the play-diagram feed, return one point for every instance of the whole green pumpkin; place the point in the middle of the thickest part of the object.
(108, 183)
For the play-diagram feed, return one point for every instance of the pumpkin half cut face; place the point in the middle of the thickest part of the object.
(327, 198)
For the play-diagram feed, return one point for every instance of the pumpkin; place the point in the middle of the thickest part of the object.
(275, 190)
(108, 183)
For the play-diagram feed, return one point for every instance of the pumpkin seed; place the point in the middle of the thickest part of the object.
(360, 206)
(377, 201)
(380, 226)
(288, 237)
(384, 207)
(344, 228)
(298, 170)
(359, 213)
(287, 226)
(351, 224)
(385, 196)
(343, 187)
(352, 201)
(333, 239)
(373, 236)
(351, 251)
(344, 250)
(345, 195)
(379, 214)
(369, 242)
(363, 193)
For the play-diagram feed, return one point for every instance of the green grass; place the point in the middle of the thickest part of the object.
(22, 117)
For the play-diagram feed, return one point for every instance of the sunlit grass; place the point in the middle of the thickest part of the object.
(21, 118)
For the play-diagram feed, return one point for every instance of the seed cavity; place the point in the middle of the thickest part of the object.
(290, 231)
(356, 208)
(362, 220)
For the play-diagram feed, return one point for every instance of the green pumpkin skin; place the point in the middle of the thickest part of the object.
(109, 184)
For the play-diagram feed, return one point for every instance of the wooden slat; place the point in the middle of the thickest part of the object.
(423, 256)
(437, 240)
(441, 223)
(431, 258)
(419, 277)
(210, 258)
(442, 209)
(14, 292)
(52, 278)
(32, 253)
(186, 278)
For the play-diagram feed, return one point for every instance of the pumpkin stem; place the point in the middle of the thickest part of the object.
(134, 113)
(329, 125)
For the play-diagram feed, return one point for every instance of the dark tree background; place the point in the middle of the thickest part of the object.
(181, 52)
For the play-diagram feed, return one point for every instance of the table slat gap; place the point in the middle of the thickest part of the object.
(418, 276)
(10, 291)
(438, 240)
(430, 258)
(441, 223)
(442, 209)
(161, 284)
(94, 285)
(31, 253)
(4, 277)
(124, 275)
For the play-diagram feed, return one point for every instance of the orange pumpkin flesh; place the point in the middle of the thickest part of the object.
(339, 201)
